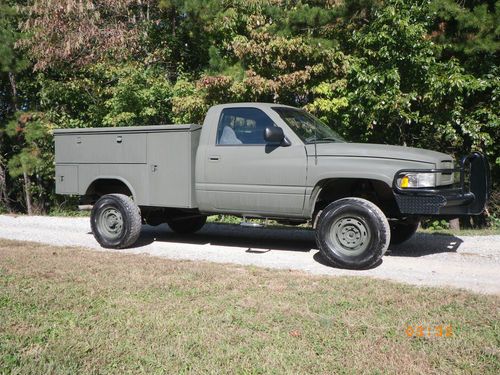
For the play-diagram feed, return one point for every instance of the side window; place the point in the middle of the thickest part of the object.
(242, 126)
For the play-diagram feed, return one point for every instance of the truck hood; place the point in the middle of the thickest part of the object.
(379, 151)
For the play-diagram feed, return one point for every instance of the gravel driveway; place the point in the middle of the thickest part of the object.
(465, 262)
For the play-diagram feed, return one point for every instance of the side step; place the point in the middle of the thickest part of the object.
(249, 224)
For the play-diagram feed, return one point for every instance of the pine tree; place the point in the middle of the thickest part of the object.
(9, 66)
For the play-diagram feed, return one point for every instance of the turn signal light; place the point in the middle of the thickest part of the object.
(405, 182)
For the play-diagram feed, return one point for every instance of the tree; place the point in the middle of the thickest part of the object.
(73, 33)
(10, 65)
(420, 72)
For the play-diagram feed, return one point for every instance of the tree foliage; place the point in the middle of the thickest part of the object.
(420, 73)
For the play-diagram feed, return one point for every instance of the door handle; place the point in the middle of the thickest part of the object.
(214, 158)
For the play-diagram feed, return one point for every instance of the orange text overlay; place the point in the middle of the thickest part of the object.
(429, 331)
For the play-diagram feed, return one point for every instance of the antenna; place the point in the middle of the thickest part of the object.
(315, 144)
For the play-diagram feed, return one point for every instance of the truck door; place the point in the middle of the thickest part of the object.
(245, 175)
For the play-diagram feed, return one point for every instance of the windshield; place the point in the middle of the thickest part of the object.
(307, 127)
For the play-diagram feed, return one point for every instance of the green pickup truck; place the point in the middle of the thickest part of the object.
(259, 160)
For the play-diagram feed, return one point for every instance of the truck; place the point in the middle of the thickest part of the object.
(267, 161)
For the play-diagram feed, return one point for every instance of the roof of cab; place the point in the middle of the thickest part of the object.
(251, 104)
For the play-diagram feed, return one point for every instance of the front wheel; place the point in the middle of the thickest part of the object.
(115, 221)
(352, 233)
(187, 225)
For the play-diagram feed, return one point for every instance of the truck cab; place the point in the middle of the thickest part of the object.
(241, 171)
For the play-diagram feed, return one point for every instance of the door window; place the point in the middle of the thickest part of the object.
(242, 126)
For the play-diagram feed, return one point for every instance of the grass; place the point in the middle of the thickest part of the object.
(68, 213)
(463, 232)
(66, 310)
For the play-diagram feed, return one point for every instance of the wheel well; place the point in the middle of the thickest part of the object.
(375, 191)
(104, 186)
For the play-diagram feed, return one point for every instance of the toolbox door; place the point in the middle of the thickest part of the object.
(66, 179)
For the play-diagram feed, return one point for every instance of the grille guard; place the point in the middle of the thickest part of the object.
(469, 198)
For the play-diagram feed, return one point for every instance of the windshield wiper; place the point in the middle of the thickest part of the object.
(327, 139)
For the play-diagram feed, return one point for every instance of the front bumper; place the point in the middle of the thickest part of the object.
(469, 198)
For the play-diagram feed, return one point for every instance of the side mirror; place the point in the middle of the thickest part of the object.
(274, 134)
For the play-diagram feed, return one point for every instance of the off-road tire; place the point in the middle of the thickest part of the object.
(116, 221)
(352, 233)
(403, 230)
(187, 225)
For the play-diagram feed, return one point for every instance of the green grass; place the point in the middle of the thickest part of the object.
(463, 232)
(65, 311)
(68, 213)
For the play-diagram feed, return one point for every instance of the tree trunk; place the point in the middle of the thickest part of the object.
(4, 198)
(13, 87)
(27, 192)
(455, 224)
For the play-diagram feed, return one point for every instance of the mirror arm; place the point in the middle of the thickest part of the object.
(285, 142)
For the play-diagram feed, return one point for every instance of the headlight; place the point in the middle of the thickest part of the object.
(418, 180)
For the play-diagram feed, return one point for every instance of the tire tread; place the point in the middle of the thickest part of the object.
(133, 217)
(380, 218)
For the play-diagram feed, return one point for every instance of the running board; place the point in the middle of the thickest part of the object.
(249, 224)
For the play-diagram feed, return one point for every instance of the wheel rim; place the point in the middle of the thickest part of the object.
(350, 236)
(110, 222)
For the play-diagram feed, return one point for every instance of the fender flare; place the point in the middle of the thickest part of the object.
(321, 184)
(110, 177)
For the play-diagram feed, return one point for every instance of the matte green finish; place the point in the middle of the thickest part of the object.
(67, 178)
(155, 162)
(182, 166)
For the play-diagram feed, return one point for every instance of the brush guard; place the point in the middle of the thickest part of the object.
(469, 198)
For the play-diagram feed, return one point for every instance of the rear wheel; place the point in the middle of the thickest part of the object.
(115, 221)
(403, 230)
(352, 233)
(187, 225)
